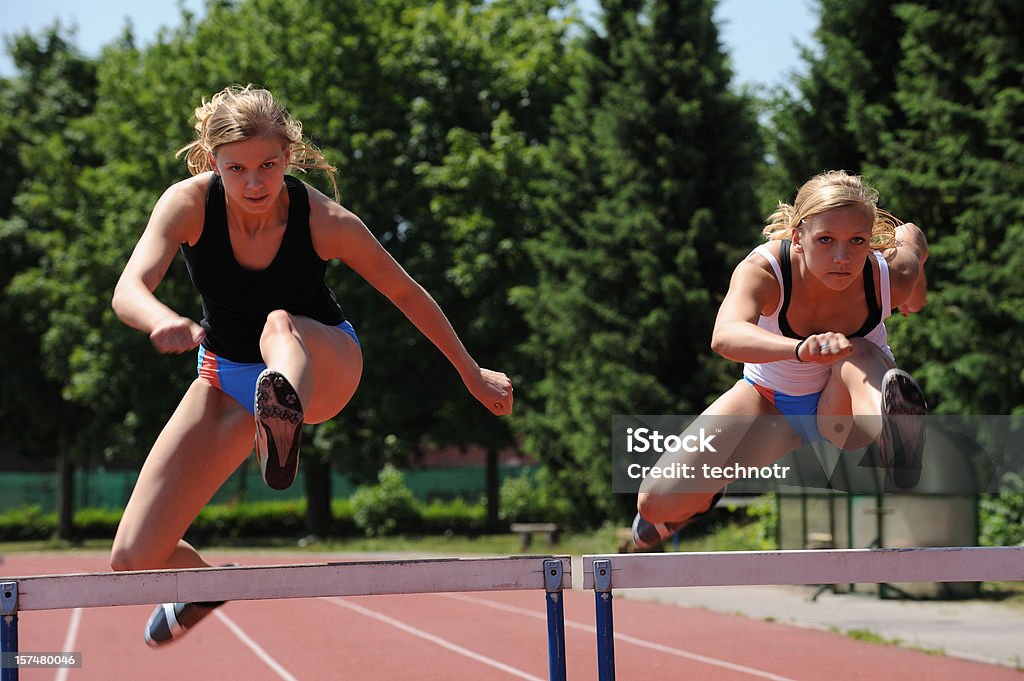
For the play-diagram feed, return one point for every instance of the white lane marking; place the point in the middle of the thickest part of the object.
(69, 641)
(448, 645)
(625, 638)
(254, 647)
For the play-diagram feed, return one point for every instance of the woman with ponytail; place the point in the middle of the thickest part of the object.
(805, 315)
(275, 349)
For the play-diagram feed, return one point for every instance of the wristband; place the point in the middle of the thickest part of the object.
(796, 350)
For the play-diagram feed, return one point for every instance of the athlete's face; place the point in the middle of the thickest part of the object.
(253, 171)
(835, 244)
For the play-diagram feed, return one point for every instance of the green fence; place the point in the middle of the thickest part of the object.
(111, 489)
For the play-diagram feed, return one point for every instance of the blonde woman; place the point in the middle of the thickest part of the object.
(275, 350)
(805, 314)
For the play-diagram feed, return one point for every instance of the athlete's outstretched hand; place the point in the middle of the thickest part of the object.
(493, 389)
(176, 335)
(825, 348)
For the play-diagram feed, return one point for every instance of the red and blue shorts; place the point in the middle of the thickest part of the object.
(801, 411)
(238, 379)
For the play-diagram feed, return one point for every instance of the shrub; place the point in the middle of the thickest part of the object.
(1002, 515)
(27, 523)
(533, 499)
(386, 508)
(456, 516)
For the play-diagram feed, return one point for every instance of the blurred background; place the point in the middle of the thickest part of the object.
(573, 182)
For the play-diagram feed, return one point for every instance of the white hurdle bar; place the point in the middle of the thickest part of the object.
(442, 575)
(743, 568)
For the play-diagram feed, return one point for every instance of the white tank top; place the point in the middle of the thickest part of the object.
(792, 377)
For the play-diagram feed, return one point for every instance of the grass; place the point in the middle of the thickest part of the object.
(597, 541)
(1006, 593)
(725, 537)
(869, 636)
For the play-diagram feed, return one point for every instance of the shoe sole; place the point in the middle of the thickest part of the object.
(903, 431)
(175, 624)
(278, 429)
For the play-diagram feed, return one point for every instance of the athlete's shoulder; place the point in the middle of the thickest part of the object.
(335, 229)
(326, 213)
(182, 207)
(755, 261)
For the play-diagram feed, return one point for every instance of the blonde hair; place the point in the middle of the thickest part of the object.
(239, 113)
(832, 189)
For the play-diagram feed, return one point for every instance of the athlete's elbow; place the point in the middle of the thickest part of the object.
(720, 343)
(121, 300)
(117, 301)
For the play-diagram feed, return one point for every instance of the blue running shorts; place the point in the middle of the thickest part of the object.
(238, 379)
(801, 411)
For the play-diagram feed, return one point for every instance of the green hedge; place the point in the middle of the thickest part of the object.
(251, 521)
(388, 507)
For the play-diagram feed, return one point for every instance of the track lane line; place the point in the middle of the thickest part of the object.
(69, 641)
(254, 647)
(437, 640)
(625, 638)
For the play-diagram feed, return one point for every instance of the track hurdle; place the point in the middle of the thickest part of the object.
(742, 568)
(441, 575)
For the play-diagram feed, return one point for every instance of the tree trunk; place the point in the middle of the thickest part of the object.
(317, 482)
(65, 492)
(492, 489)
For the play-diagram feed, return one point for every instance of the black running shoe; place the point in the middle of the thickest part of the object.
(278, 429)
(903, 428)
(648, 535)
(171, 621)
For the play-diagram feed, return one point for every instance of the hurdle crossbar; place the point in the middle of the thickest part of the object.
(603, 573)
(551, 574)
(824, 566)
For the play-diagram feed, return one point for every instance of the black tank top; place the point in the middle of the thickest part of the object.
(236, 300)
(874, 312)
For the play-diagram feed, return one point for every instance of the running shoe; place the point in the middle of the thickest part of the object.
(278, 429)
(903, 428)
(171, 621)
(648, 535)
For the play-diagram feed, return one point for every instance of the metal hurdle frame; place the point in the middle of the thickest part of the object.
(439, 575)
(604, 572)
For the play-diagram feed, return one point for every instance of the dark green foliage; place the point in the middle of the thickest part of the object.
(957, 167)
(927, 100)
(389, 507)
(527, 498)
(575, 199)
(649, 205)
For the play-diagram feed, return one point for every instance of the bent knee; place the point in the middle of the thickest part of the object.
(279, 321)
(864, 351)
(124, 558)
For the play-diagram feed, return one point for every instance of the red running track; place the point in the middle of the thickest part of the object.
(433, 637)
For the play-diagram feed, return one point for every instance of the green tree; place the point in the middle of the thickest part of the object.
(40, 204)
(843, 103)
(649, 201)
(957, 167)
(405, 97)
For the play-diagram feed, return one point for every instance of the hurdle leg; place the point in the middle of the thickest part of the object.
(556, 619)
(8, 631)
(605, 630)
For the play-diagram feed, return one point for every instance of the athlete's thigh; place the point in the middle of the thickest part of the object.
(746, 430)
(206, 439)
(850, 404)
(337, 367)
(855, 383)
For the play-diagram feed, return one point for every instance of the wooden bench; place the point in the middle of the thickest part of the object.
(527, 530)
